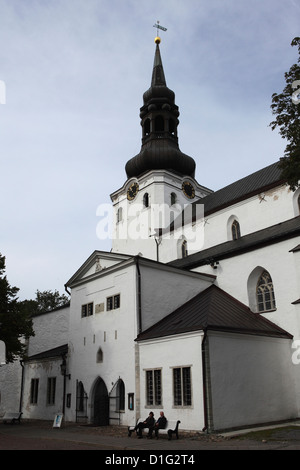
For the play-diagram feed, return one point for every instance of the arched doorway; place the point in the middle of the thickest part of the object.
(101, 404)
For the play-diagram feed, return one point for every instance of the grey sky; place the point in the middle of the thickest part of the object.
(75, 72)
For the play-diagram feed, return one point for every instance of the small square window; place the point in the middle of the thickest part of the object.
(117, 301)
(109, 303)
(113, 302)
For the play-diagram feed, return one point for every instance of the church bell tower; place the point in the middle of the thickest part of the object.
(160, 178)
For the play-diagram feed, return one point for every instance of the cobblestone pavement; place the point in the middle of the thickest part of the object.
(40, 435)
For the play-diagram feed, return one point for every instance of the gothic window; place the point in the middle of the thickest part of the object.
(235, 230)
(120, 396)
(184, 250)
(146, 200)
(99, 357)
(159, 124)
(265, 293)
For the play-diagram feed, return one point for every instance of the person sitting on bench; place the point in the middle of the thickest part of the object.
(148, 423)
(160, 424)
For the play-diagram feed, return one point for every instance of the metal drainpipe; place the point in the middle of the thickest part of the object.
(205, 377)
(22, 386)
(139, 296)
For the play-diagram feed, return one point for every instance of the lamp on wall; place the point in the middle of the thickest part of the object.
(63, 369)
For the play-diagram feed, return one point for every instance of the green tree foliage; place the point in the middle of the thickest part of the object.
(48, 300)
(286, 107)
(15, 321)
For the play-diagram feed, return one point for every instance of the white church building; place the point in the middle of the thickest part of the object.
(194, 311)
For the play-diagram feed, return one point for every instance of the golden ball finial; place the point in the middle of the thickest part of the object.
(157, 40)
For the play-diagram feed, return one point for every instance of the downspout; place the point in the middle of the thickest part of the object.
(137, 351)
(22, 387)
(208, 414)
(66, 289)
(139, 297)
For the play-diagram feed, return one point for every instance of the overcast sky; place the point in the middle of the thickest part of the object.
(75, 72)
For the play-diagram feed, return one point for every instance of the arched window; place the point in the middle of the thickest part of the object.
(146, 200)
(265, 293)
(173, 199)
(99, 355)
(147, 127)
(184, 250)
(235, 230)
(159, 124)
(298, 204)
(119, 215)
(120, 396)
(172, 126)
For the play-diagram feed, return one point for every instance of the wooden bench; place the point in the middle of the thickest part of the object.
(12, 417)
(171, 428)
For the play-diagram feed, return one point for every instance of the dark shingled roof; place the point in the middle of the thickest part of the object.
(213, 309)
(55, 352)
(274, 234)
(261, 180)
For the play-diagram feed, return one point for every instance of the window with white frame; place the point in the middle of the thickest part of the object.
(87, 310)
(34, 390)
(153, 387)
(182, 388)
(51, 389)
(113, 302)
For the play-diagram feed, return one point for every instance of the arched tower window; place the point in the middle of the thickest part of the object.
(172, 126)
(173, 199)
(119, 215)
(146, 200)
(265, 293)
(99, 357)
(147, 127)
(298, 200)
(235, 230)
(159, 124)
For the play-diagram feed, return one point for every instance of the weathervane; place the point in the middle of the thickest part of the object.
(157, 26)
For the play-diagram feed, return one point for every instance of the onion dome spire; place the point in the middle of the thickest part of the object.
(159, 121)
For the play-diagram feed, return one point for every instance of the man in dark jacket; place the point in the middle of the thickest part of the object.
(160, 424)
(148, 423)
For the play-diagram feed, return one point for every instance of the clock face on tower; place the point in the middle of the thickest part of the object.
(132, 191)
(188, 189)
